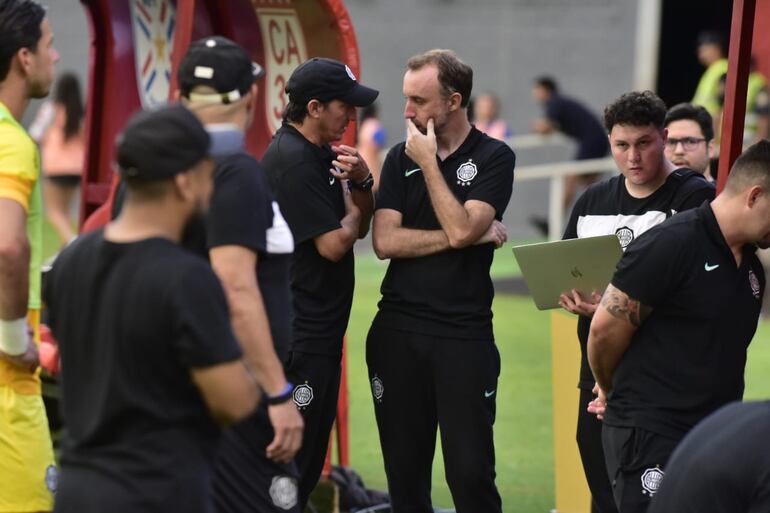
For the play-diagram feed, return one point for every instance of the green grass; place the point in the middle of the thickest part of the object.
(523, 431)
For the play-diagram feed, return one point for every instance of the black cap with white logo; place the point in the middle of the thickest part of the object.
(327, 79)
(221, 64)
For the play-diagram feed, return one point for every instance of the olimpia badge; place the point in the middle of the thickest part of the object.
(754, 282)
(466, 172)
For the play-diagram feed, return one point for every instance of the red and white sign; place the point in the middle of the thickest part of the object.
(285, 49)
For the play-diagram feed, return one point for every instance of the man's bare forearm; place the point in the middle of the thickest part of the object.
(409, 243)
(252, 328)
(451, 214)
(612, 328)
(14, 279)
(364, 200)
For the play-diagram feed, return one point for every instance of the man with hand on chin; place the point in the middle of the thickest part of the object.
(430, 351)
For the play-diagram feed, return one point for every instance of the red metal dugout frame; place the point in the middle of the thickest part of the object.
(279, 34)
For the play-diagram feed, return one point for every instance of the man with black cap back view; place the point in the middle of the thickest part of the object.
(249, 245)
(325, 193)
(149, 362)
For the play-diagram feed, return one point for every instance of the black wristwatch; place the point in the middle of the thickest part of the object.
(365, 185)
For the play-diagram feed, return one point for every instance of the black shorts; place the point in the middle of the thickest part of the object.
(65, 180)
(636, 461)
(245, 479)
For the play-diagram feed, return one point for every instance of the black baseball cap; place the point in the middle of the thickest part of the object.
(327, 79)
(158, 144)
(221, 64)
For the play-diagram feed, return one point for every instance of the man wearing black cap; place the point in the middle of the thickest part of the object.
(325, 193)
(149, 361)
(431, 352)
(250, 246)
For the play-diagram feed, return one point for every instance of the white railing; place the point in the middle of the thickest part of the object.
(555, 172)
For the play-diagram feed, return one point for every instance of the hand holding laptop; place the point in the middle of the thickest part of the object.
(575, 303)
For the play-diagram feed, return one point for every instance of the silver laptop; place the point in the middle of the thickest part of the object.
(551, 268)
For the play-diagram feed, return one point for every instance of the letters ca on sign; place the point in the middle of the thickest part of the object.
(285, 49)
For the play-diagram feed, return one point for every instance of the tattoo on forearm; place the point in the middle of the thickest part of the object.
(619, 305)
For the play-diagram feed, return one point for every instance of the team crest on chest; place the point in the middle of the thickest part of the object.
(466, 173)
(625, 236)
(754, 282)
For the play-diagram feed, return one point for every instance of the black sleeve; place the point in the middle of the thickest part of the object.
(494, 183)
(240, 211)
(305, 203)
(202, 331)
(390, 192)
(651, 267)
(570, 232)
(693, 193)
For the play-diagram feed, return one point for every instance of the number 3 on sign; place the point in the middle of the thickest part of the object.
(285, 49)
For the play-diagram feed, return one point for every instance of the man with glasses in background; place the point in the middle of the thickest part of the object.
(690, 140)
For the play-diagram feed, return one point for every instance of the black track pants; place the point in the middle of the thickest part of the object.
(589, 440)
(419, 383)
(245, 479)
(316, 379)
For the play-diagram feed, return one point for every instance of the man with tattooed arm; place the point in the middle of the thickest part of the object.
(667, 345)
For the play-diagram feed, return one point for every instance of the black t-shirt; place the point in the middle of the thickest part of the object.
(721, 466)
(132, 320)
(687, 359)
(243, 213)
(312, 202)
(576, 121)
(607, 207)
(448, 293)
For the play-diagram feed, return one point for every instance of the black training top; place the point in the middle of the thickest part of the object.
(243, 213)
(132, 320)
(721, 466)
(311, 200)
(448, 293)
(575, 120)
(687, 359)
(607, 207)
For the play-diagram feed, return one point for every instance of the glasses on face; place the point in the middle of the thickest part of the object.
(688, 143)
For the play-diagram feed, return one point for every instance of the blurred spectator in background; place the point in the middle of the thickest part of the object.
(711, 53)
(710, 92)
(757, 122)
(576, 121)
(58, 128)
(690, 141)
(486, 109)
(371, 140)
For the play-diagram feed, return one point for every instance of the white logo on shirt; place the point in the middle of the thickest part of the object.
(625, 236)
(466, 172)
(754, 282)
(710, 268)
